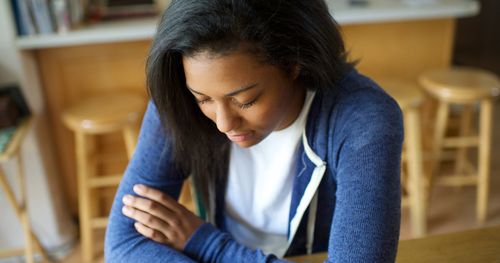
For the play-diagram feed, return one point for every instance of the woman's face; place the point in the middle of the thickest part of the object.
(244, 97)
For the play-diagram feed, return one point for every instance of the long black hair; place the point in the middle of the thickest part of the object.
(284, 33)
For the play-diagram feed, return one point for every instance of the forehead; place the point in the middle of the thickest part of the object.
(208, 72)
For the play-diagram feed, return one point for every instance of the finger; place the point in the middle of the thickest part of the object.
(149, 206)
(158, 196)
(146, 219)
(150, 233)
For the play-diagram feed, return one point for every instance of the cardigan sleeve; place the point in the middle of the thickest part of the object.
(150, 165)
(366, 221)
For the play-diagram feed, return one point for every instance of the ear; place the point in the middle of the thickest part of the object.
(296, 71)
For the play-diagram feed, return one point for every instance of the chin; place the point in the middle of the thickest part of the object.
(247, 144)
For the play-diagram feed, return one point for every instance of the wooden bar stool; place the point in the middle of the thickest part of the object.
(99, 116)
(410, 98)
(466, 87)
(13, 150)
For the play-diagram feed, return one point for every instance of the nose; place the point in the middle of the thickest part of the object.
(226, 118)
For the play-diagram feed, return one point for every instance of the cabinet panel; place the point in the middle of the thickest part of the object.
(400, 49)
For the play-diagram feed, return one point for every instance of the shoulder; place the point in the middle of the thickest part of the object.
(361, 112)
(360, 93)
(361, 101)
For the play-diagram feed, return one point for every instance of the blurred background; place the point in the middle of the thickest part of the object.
(56, 53)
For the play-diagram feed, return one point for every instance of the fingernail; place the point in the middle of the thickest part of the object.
(139, 188)
(127, 199)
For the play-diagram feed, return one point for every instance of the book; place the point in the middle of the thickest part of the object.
(24, 22)
(76, 12)
(61, 14)
(42, 16)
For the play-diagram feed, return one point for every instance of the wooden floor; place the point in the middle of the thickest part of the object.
(451, 209)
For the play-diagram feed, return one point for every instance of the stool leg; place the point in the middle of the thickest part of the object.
(415, 172)
(91, 151)
(20, 211)
(485, 125)
(130, 134)
(28, 237)
(461, 155)
(84, 197)
(439, 134)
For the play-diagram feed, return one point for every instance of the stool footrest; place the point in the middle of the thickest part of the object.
(461, 142)
(105, 181)
(100, 158)
(457, 180)
(12, 252)
(99, 222)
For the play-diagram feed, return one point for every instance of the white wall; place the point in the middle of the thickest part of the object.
(49, 217)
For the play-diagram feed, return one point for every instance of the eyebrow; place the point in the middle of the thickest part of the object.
(230, 94)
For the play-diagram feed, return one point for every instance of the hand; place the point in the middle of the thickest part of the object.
(159, 217)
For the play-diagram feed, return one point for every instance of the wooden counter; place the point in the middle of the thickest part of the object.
(480, 245)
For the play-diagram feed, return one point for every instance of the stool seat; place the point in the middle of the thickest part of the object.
(104, 113)
(460, 84)
(406, 93)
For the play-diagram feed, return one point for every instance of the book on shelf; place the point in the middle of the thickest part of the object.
(46, 16)
(42, 16)
(59, 16)
(24, 21)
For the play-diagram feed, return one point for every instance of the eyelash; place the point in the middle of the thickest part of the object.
(241, 106)
(246, 105)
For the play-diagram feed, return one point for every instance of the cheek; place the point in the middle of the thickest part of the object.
(267, 117)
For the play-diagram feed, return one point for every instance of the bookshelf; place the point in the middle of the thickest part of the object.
(98, 33)
(379, 11)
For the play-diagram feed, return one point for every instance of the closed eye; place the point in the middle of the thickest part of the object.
(247, 104)
(201, 102)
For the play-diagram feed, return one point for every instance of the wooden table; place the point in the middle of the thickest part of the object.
(480, 245)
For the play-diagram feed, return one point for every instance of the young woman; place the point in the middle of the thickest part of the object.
(290, 149)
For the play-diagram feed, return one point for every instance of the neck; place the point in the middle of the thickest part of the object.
(295, 108)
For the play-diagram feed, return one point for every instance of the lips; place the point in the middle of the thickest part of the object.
(239, 137)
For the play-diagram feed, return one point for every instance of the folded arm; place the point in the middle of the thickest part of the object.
(151, 165)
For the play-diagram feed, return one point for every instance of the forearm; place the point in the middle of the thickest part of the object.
(209, 244)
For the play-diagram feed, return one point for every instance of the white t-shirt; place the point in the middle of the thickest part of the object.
(260, 185)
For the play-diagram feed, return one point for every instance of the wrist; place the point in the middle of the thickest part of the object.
(199, 241)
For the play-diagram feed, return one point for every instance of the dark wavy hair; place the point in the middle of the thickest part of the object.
(284, 33)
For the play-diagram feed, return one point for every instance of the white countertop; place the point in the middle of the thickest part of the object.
(374, 11)
(400, 10)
